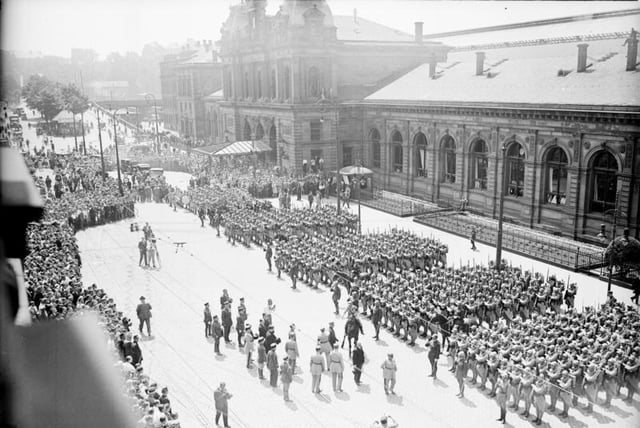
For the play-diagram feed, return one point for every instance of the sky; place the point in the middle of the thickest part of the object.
(53, 27)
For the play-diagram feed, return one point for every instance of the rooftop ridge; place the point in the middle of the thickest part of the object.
(537, 23)
(544, 41)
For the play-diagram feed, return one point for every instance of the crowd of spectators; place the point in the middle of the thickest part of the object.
(52, 273)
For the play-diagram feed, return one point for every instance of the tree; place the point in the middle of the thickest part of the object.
(624, 252)
(43, 95)
(10, 90)
(73, 100)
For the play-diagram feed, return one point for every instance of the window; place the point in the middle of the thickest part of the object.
(376, 158)
(448, 159)
(515, 170)
(316, 130)
(245, 85)
(347, 156)
(396, 147)
(556, 175)
(272, 88)
(259, 132)
(479, 165)
(259, 83)
(604, 185)
(420, 142)
(313, 82)
(287, 83)
(247, 131)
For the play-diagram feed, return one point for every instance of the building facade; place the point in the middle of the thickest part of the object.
(187, 78)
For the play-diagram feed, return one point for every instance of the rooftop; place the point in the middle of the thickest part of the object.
(350, 28)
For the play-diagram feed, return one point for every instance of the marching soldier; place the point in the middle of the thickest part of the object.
(539, 402)
(526, 387)
(565, 386)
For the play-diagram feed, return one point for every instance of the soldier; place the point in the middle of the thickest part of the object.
(286, 377)
(332, 334)
(565, 386)
(221, 397)
(207, 320)
(526, 390)
(272, 365)
(262, 358)
(268, 254)
(493, 373)
(554, 373)
(591, 385)
(240, 330)
(227, 322)
(501, 393)
(336, 296)
(316, 367)
(482, 366)
(217, 334)
(249, 346)
(291, 348)
(336, 367)
(325, 346)
(389, 370)
(610, 381)
(460, 372)
(539, 402)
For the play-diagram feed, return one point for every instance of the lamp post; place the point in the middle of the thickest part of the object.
(115, 141)
(324, 101)
(615, 224)
(104, 174)
(155, 112)
(501, 212)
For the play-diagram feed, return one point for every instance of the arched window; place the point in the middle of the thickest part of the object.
(259, 83)
(448, 145)
(245, 85)
(397, 152)
(556, 176)
(259, 132)
(604, 184)
(515, 170)
(286, 83)
(272, 91)
(479, 164)
(313, 77)
(420, 142)
(376, 157)
(247, 131)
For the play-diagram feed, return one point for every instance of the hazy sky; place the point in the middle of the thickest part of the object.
(55, 26)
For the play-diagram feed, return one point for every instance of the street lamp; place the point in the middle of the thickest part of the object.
(324, 101)
(147, 97)
(501, 212)
(115, 141)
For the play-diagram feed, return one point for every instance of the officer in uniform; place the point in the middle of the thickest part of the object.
(325, 346)
(316, 367)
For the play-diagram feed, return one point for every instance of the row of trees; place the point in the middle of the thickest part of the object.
(49, 98)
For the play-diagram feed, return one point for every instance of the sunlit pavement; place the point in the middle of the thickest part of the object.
(180, 357)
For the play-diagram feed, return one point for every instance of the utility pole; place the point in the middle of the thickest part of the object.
(501, 212)
(104, 174)
(84, 143)
(75, 137)
(615, 224)
(115, 141)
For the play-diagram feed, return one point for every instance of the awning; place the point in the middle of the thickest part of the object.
(209, 149)
(243, 147)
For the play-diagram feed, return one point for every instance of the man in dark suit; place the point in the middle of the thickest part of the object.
(433, 355)
(217, 334)
(144, 315)
(221, 398)
(136, 352)
(227, 322)
(376, 319)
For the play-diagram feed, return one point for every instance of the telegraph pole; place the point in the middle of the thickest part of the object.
(104, 174)
(501, 212)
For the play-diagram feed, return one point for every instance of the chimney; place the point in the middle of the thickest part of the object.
(582, 57)
(479, 63)
(432, 68)
(418, 31)
(632, 50)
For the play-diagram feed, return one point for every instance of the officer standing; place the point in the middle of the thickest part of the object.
(207, 320)
(268, 254)
(336, 367)
(272, 365)
(389, 370)
(316, 367)
(376, 319)
(357, 357)
(291, 348)
(286, 377)
(217, 334)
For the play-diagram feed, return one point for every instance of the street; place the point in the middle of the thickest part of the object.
(179, 356)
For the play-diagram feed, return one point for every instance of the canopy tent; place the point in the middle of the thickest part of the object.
(64, 117)
(209, 149)
(243, 148)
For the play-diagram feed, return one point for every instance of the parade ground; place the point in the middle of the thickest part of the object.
(178, 354)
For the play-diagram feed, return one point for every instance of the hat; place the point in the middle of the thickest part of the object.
(247, 327)
(261, 339)
(206, 304)
(318, 348)
(285, 358)
(141, 297)
(273, 346)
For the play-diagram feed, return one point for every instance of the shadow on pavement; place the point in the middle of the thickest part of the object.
(395, 399)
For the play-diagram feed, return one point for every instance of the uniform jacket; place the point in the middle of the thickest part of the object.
(377, 315)
(249, 346)
(291, 347)
(317, 364)
(272, 360)
(227, 320)
(336, 363)
(207, 316)
(357, 357)
(221, 397)
(434, 351)
(389, 369)
(262, 354)
(286, 376)
(217, 329)
(332, 336)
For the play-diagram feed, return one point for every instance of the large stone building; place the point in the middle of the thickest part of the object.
(551, 105)
(186, 78)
